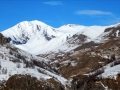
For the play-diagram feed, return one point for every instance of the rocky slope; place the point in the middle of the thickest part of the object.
(94, 65)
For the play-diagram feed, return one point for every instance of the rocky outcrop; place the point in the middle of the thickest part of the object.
(3, 40)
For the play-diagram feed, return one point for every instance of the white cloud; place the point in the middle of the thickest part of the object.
(92, 12)
(53, 3)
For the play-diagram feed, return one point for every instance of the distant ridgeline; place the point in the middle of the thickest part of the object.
(3, 40)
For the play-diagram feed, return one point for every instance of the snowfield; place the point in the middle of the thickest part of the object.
(37, 37)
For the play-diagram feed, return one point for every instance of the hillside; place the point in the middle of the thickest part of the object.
(93, 65)
(16, 61)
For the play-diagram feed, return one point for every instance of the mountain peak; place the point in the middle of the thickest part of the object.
(38, 22)
(29, 31)
(71, 25)
(34, 22)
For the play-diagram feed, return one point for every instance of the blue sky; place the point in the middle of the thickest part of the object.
(57, 13)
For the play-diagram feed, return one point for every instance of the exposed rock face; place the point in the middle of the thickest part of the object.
(3, 40)
(88, 83)
(111, 32)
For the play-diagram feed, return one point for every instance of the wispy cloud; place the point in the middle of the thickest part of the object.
(112, 21)
(117, 20)
(54, 3)
(92, 12)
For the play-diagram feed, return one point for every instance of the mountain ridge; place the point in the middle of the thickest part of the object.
(38, 36)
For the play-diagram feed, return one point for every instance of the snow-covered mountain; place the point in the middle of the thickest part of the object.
(96, 34)
(83, 35)
(37, 37)
(87, 56)
(34, 35)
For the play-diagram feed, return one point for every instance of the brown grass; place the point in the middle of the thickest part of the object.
(84, 65)
(26, 82)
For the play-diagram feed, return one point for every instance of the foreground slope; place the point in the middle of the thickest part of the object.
(16, 61)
